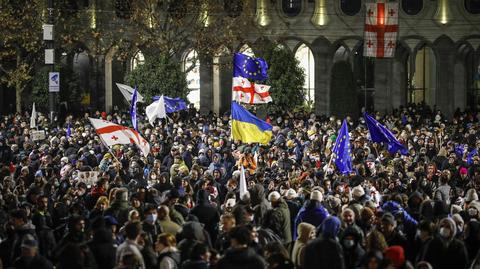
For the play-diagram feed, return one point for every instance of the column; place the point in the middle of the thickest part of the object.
(323, 56)
(206, 84)
(383, 79)
(445, 62)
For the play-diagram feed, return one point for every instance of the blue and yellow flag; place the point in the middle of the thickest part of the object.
(248, 128)
(341, 150)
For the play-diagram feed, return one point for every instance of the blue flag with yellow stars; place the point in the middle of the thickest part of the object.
(380, 133)
(249, 67)
(341, 150)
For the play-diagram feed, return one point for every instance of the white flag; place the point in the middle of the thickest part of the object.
(127, 93)
(33, 118)
(243, 183)
(113, 134)
(248, 92)
(156, 110)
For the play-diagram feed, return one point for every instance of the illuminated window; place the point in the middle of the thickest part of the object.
(472, 6)
(350, 7)
(412, 7)
(138, 59)
(305, 56)
(291, 8)
(192, 67)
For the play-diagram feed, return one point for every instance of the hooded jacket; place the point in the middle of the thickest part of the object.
(240, 259)
(325, 251)
(259, 203)
(278, 220)
(206, 213)
(313, 212)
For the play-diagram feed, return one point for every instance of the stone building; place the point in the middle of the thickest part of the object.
(436, 61)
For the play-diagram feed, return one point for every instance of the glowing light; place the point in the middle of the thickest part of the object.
(262, 19)
(320, 17)
(443, 12)
(93, 16)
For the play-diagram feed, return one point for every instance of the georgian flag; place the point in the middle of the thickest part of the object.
(248, 92)
(381, 30)
(113, 134)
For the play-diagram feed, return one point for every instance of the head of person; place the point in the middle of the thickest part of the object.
(240, 237)
(227, 222)
(306, 232)
(150, 214)
(387, 223)
(18, 218)
(200, 251)
(425, 230)
(133, 229)
(348, 216)
(165, 240)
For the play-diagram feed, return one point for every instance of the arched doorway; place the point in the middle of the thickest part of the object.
(342, 85)
(306, 61)
(423, 77)
(191, 65)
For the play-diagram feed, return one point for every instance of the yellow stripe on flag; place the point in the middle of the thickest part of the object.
(249, 133)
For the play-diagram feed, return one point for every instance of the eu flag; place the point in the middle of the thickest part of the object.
(133, 109)
(172, 104)
(249, 67)
(470, 156)
(380, 133)
(341, 150)
(69, 130)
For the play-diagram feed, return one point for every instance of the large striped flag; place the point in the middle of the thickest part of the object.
(248, 128)
(113, 134)
(381, 30)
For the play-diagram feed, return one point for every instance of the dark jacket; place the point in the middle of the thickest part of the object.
(102, 248)
(206, 214)
(259, 203)
(241, 259)
(192, 233)
(37, 262)
(312, 212)
(443, 254)
(195, 264)
(119, 210)
(278, 220)
(324, 253)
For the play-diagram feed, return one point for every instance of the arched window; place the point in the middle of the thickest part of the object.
(350, 7)
(192, 68)
(305, 56)
(123, 9)
(138, 59)
(412, 7)
(245, 49)
(233, 7)
(423, 82)
(291, 8)
(472, 6)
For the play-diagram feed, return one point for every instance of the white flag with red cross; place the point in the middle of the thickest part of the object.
(248, 92)
(113, 134)
(381, 30)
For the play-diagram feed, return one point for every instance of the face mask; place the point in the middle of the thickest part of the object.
(472, 212)
(445, 232)
(151, 218)
(348, 243)
(418, 234)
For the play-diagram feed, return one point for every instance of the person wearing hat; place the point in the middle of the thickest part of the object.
(11, 249)
(313, 211)
(293, 206)
(119, 208)
(30, 257)
(388, 226)
(278, 218)
(325, 251)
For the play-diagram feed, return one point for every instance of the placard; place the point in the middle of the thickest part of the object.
(38, 135)
(88, 177)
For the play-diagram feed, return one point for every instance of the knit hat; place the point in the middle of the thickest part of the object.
(463, 171)
(387, 217)
(291, 193)
(396, 255)
(358, 191)
(316, 195)
(273, 196)
(471, 195)
(304, 229)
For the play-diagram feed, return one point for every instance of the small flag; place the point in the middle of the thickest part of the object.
(156, 110)
(248, 92)
(33, 117)
(248, 128)
(243, 182)
(249, 67)
(470, 156)
(69, 130)
(379, 133)
(133, 109)
(341, 150)
(127, 92)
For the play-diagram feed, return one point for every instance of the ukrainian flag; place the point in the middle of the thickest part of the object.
(248, 128)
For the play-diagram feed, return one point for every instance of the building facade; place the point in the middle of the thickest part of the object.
(436, 60)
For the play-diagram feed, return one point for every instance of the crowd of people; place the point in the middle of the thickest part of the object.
(180, 206)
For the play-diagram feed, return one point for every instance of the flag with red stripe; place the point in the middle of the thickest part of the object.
(381, 30)
(113, 134)
(248, 92)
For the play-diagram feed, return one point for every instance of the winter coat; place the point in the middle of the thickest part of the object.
(37, 262)
(119, 210)
(313, 212)
(324, 253)
(102, 249)
(442, 254)
(278, 220)
(259, 203)
(192, 233)
(241, 259)
(195, 264)
(206, 214)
